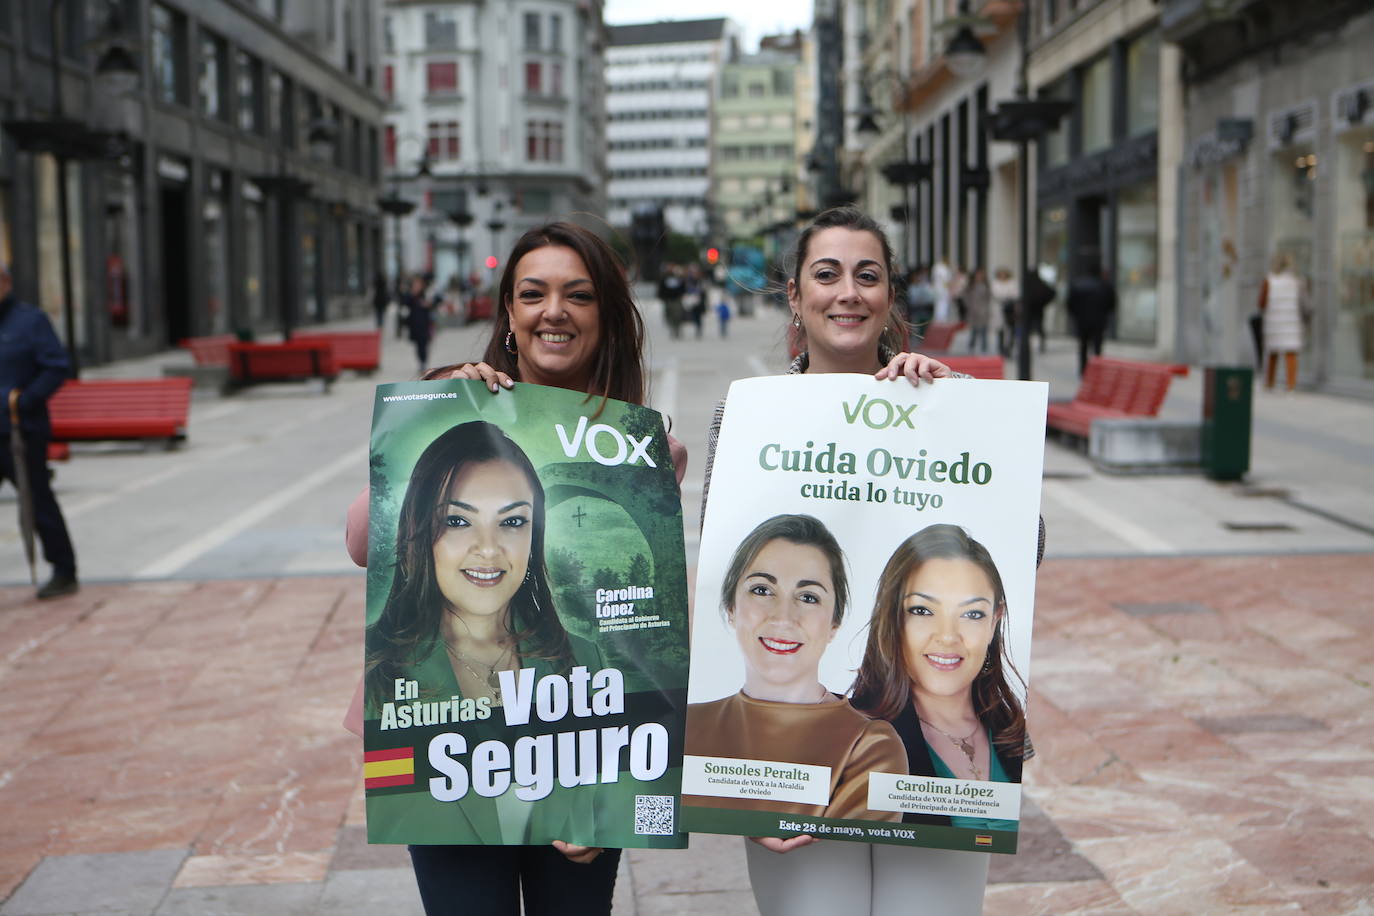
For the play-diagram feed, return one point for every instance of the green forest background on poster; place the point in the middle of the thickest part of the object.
(610, 545)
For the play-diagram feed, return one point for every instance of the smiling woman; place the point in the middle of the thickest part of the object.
(784, 593)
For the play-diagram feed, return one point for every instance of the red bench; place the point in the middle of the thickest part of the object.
(939, 336)
(95, 409)
(360, 351)
(1113, 388)
(289, 361)
(209, 351)
(976, 366)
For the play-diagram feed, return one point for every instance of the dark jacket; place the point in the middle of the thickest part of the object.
(1091, 302)
(908, 726)
(33, 360)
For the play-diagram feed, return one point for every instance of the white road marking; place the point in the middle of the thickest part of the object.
(142, 483)
(193, 550)
(1092, 510)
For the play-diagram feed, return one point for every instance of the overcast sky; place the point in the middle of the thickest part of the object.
(755, 17)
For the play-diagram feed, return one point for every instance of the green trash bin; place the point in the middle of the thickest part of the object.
(1227, 394)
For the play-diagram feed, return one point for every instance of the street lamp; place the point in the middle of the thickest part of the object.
(396, 206)
(66, 138)
(462, 219)
(965, 55)
(495, 225)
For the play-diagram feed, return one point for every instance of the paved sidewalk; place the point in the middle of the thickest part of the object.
(1204, 726)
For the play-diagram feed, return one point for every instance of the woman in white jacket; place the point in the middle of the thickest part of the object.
(1281, 303)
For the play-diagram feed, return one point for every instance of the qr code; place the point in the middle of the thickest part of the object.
(654, 815)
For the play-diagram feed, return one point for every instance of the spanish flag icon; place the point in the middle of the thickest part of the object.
(392, 767)
(979, 839)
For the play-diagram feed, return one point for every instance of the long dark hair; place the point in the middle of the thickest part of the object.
(882, 687)
(617, 369)
(806, 530)
(894, 335)
(409, 627)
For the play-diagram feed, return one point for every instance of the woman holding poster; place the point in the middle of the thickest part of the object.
(784, 595)
(936, 662)
(567, 320)
(843, 305)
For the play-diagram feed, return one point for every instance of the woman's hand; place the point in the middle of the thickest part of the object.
(582, 855)
(481, 372)
(779, 845)
(915, 367)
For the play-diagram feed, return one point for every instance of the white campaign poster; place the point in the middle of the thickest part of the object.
(896, 488)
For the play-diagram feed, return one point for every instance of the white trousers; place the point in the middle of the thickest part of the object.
(835, 878)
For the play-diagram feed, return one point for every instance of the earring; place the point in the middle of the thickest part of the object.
(510, 342)
(987, 663)
(796, 320)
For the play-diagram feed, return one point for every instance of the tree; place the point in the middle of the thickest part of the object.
(640, 573)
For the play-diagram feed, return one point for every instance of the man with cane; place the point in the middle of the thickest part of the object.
(33, 365)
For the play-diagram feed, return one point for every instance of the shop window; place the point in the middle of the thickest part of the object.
(249, 92)
(1352, 332)
(1142, 84)
(1137, 250)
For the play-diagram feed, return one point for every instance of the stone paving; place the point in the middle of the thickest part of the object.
(1204, 727)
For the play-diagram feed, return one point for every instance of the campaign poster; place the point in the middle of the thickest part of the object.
(525, 661)
(862, 614)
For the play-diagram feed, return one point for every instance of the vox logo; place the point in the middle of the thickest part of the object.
(878, 414)
(604, 444)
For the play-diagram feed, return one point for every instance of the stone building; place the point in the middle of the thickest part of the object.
(1278, 156)
(240, 194)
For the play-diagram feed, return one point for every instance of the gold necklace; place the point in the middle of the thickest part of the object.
(492, 682)
(964, 744)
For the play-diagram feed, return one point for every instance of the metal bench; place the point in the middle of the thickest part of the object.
(209, 351)
(102, 409)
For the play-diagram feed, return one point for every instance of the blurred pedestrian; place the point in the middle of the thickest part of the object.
(920, 301)
(1036, 297)
(958, 287)
(419, 320)
(33, 366)
(1005, 300)
(978, 310)
(940, 277)
(381, 297)
(1091, 302)
(670, 291)
(723, 316)
(1281, 302)
(694, 298)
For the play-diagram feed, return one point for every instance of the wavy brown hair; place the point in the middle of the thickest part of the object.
(617, 369)
(895, 331)
(408, 629)
(883, 687)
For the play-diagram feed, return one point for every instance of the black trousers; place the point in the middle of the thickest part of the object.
(489, 880)
(47, 517)
(1089, 339)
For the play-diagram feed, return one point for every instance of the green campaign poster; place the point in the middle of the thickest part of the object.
(526, 653)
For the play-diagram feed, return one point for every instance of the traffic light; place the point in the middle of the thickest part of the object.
(492, 262)
(712, 255)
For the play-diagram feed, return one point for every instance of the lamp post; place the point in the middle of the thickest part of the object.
(905, 173)
(1020, 121)
(462, 219)
(66, 138)
(396, 206)
(494, 226)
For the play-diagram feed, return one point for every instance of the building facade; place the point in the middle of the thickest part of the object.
(755, 140)
(1279, 157)
(661, 80)
(494, 125)
(214, 213)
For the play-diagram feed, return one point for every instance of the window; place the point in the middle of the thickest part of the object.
(782, 150)
(555, 79)
(534, 77)
(389, 81)
(756, 90)
(536, 202)
(388, 36)
(390, 151)
(544, 141)
(729, 87)
(782, 82)
(286, 111)
(169, 55)
(1097, 105)
(756, 151)
(1142, 84)
(1055, 149)
(249, 91)
(441, 77)
(444, 140)
(555, 32)
(532, 42)
(441, 31)
(214, 59)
